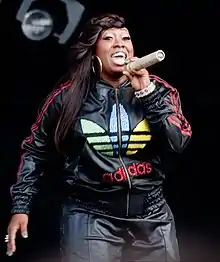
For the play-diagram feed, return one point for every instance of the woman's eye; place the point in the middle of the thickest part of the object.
(126, 38)
(107, 38)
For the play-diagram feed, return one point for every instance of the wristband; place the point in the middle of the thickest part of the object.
(146, 91)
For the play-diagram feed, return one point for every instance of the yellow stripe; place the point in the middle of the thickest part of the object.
(131, 152)
(136, 146)
(142, 126)
(141, 138)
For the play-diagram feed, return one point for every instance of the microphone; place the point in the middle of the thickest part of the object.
(146, 61)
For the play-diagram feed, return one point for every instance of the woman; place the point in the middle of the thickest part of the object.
(110, 128)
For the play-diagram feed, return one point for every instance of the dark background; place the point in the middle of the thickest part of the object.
(187, 31)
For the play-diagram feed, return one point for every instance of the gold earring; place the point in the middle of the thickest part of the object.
(99, 62)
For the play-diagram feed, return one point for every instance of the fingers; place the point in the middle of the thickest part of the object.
(11, 237)
(11, 247)
(138, 72)
(18, 222)
(129, 60)
(128, 75)
(24, 231)
(133, 72)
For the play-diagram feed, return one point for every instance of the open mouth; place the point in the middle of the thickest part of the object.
(119, 54)
(118, 58)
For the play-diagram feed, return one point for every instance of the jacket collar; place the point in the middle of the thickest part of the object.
(103, 83)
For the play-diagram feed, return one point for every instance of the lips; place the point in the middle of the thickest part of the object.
(118, 58)
(120, 54)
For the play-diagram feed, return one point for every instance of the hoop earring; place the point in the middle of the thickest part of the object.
(96, 64)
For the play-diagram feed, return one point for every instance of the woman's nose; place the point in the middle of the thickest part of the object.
(119, 43)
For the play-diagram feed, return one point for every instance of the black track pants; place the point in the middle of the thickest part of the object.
(91, 237)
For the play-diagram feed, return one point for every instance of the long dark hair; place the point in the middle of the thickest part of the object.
(81, 72)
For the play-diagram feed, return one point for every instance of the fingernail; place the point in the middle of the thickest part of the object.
(24, 235)
(9, 253)
(127, 60)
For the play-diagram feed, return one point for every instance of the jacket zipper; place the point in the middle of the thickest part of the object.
(119, 149)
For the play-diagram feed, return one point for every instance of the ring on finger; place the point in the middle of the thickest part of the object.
(6, 238)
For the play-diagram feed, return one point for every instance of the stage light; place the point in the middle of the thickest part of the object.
(37, 24)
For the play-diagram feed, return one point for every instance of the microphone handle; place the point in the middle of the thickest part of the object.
(146, 61)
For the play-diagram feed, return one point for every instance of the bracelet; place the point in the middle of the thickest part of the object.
(146, 91)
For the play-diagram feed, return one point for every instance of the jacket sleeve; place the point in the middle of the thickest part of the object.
(164, 113)
(38, 150)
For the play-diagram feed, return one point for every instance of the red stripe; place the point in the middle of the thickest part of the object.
(186, 131)
(178, 120)
(175, 119)
(160, 80)
(36, 125)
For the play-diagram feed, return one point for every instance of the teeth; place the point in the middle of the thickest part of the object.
(119, 54)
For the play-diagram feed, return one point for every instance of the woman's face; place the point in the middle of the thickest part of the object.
(113, 47)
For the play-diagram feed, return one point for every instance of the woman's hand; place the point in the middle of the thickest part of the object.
(18, 222)
(139, 78)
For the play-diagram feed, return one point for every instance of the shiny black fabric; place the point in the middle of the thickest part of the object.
(94, 237)
(111, 174)
(113, 154)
